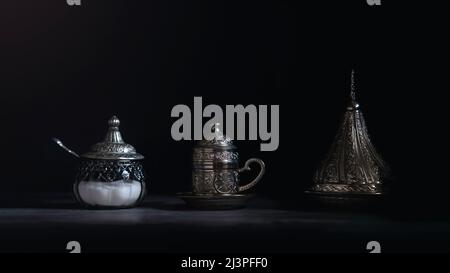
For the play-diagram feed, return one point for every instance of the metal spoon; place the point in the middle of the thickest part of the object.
(60, 144)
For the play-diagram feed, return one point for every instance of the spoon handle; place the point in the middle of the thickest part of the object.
(60, 144)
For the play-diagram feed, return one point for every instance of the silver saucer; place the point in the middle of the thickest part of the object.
(215, 201)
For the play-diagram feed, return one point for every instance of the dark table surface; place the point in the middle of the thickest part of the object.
(42, 223)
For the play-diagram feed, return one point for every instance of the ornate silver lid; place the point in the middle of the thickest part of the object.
(215, 150)
(352, 166)
(113, 147)
(216, 140)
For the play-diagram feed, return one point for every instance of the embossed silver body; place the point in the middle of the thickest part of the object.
(110, 174)
(352, 166)
(216, 167)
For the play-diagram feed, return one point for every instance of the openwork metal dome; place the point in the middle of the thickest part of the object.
(352, 165)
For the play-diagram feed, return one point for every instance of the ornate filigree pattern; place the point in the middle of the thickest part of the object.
(227, 181)
(203, 182)
(228, 156)
(113, 148)
(342, 188)
(352, 165)
(352, 158)
(109, 171)
(222, 155)
(224, 181)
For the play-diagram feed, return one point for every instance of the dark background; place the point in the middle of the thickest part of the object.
(65, 70)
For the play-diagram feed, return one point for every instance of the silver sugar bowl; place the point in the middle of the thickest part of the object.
(110, 174)
(216, 166)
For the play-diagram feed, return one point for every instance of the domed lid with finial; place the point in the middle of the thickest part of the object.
(113, 147)
(216, 139)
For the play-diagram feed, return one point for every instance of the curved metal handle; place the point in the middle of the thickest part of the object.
(247, 168)
(60, 144)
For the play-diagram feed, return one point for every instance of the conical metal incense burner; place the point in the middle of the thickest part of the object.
(352, 166)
